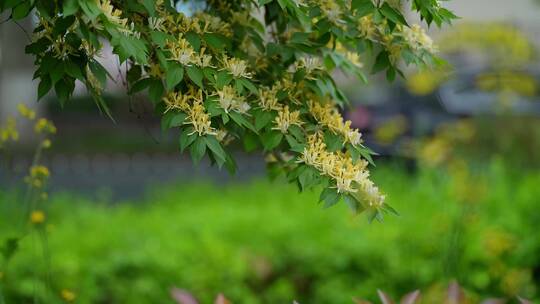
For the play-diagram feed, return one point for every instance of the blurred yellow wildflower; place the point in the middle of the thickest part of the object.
(9, 131)
(46, 143)
(37, 217)
(424, 82)
(387, 132)
(68, 295)
(26, 112)
(38, 176)
(44, 126)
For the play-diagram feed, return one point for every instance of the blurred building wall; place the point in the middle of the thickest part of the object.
(16, 68)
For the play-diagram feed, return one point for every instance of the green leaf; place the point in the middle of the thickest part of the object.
(308, 178)
(241, 121)
(333, 142)
(156, 90)
(160, 38)
(263, 118)
(197, 149)
(171, 120)
(382, 62)
(392, 14)
(9, 248)
(70, 7)
(150, 6)
(250, 141)
(44, 87)
(174, 75)
(249, 85)
(216, 41)
(363, 7)
(223, 79)
(186, 138)
(330, 197)
(63, 90)
(22, 10)
(216, 148)
(271, 140)
(140, 85)
(194, 40)
(196, 75)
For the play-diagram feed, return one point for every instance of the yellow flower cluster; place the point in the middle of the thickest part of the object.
(199, 119)
(327, 115)
(177, 101)
(310, 64)
(112, 14)
(367, 27)
(237, 67)
(268, 99)
(192, 104)
(353, 57)
(38, 176)
(26, 112)
(68, 295)
(181, 51)
(44, 126)
(331, 9)
(9, 131)
(286, 118)
(349, 177)
(229, 100)
(418, 39)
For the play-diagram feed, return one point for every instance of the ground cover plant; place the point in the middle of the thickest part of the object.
(262, 247)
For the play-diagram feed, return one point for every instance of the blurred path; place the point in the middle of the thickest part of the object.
(123, 176)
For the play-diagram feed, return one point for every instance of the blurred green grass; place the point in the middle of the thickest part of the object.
(263, 242)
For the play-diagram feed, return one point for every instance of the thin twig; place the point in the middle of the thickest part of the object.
(24, 30)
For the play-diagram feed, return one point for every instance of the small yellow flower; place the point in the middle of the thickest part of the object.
(310, 64)
(229, 100)
(68, 295)
(237, 67)
(268, 99)
(112, 14)
(286, 118)
(418, 39)
(26, 112)
(46, 144)
(39, 172)
(44, 126)
(37, 217)
(181, 51)
(176, 101)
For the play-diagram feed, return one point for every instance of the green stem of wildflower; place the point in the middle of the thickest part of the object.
(46, 255)
(2, 299)
(27, 202)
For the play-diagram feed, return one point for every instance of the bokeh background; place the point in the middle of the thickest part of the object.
(129, 217)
